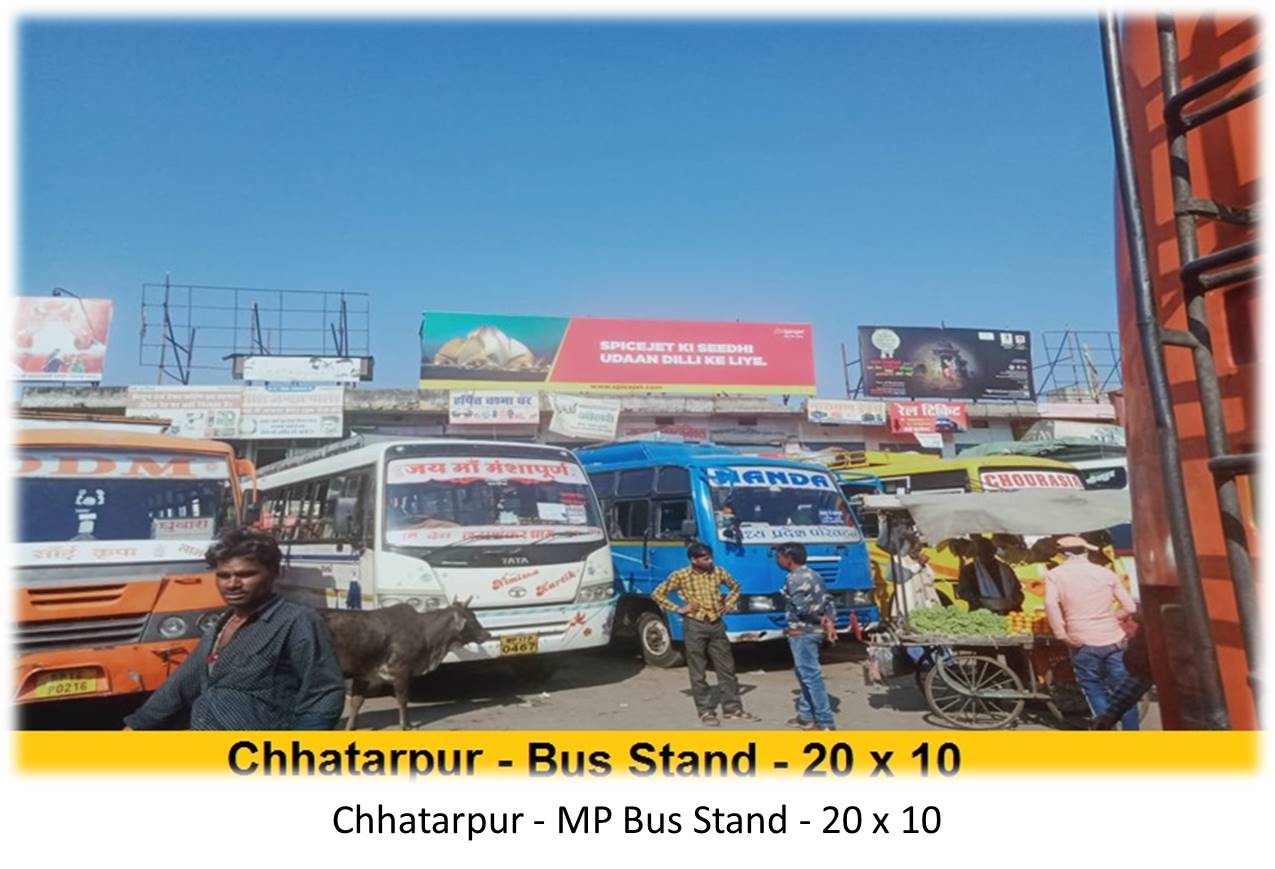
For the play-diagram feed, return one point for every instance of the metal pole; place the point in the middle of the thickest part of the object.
(1195, 610)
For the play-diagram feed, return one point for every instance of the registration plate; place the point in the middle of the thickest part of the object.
(520, 644)
(67, 683)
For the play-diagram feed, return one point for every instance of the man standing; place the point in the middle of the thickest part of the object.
(704, 632)
(1078, 601)
(269, 664)
(812, 618)
(986, 582)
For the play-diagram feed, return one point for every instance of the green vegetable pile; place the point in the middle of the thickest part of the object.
(950, 621)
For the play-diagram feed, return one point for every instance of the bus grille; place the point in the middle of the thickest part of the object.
(73, 633)
(827, 570)
(78, 595)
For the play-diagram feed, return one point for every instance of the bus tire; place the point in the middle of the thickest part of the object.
(656, 642)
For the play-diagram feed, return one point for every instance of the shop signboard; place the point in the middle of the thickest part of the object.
(302, 369)
(60, 338)
(910, 417)
(480, 407)
(592, 419)
(242, 412)
(922, 362)
(579, 354)
(840, 412)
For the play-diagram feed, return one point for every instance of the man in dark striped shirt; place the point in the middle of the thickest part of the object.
(269, 665)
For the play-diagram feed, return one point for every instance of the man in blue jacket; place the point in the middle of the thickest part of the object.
(812, 618)
(268, 665)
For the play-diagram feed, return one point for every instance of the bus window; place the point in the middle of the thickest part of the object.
(673, 481)
(632, 519)
(637, 482)
(669, 518)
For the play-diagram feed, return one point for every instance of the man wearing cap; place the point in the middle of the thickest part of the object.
(1079, 598)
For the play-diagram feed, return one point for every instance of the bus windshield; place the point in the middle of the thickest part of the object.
(775, 504)
(77, 494)
(448, 500)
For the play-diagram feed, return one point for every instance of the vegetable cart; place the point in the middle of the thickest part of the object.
(985, 681)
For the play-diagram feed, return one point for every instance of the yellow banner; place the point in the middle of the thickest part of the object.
(642, 754)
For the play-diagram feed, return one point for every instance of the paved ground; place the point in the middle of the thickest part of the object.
(609, 689)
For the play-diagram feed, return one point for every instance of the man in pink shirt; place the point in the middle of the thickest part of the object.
(1078, 601)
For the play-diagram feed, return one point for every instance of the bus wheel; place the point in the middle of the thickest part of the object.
(657, 643)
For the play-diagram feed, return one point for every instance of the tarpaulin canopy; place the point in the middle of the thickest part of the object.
(1036, 512)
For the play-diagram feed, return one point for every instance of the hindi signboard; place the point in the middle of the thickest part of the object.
(575, 354)
(910, 417)
(59, 338)
(835, 412)
(920, 362)
(493, 408)
(243, 412)
(587, 418)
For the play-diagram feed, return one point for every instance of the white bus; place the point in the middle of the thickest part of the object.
(513, 528)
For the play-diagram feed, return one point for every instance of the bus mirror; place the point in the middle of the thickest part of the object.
(251, 513)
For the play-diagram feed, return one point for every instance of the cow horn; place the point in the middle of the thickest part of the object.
(468, 601)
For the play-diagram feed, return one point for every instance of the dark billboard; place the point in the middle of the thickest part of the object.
(921, 362)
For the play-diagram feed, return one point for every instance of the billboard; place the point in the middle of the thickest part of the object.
(242, 412)
(920, 362)
(575, 354)
(59, 338)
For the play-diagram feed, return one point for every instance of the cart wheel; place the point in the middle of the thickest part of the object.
(975, 675)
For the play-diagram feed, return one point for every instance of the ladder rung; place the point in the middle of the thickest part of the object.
(1173, 109)
(1192, 270)
(1178, 338)
(1217, 211)
(1212, 110)
(1233, 464)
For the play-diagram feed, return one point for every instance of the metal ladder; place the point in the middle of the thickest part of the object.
(1200, 275)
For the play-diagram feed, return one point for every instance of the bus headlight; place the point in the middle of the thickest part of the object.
(421, 603)
(595, 592)
(172, 627)
(863, 597)
(760, 603)
(206, 623)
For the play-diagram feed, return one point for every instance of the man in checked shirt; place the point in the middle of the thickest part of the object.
(704, 633)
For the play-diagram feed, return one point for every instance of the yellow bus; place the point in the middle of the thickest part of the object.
(865, 471)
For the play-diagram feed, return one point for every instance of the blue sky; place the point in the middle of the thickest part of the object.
(841, 172)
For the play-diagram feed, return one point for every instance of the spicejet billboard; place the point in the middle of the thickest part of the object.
(579, 354)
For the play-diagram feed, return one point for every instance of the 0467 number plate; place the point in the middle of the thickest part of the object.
(520, 644)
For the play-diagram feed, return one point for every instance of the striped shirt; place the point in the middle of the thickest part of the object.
(278, 671)
(703, 587)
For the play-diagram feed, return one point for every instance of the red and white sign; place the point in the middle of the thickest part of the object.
(466, 469)
(60, 338)
(909, 417)
(679, 355)
(1011, 480)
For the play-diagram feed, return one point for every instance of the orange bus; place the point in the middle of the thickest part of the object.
(111, 529)
(1184, 97)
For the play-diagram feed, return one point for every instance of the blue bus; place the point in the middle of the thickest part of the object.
(657, 497)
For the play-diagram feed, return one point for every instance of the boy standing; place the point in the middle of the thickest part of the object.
(812, 618)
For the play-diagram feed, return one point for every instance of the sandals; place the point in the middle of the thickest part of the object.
(708, 719)
(740, 715)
